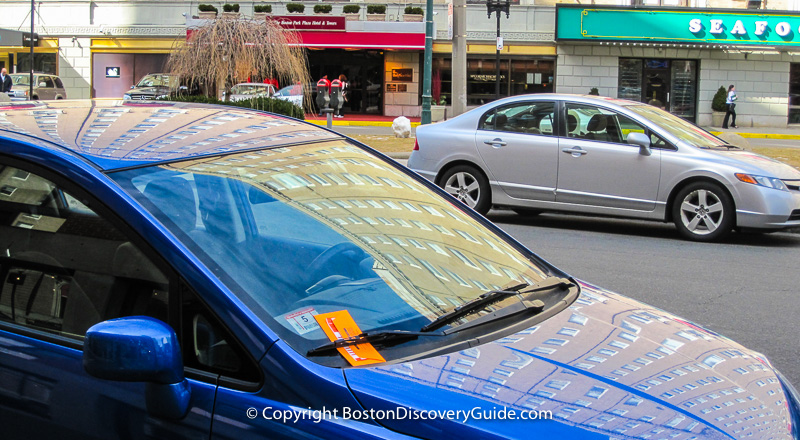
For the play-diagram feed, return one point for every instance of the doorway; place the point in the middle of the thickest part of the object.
(364, 71)
(667, 84)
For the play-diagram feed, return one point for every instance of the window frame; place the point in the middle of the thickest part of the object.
(529, 103)
(176, 284)
(648, 131)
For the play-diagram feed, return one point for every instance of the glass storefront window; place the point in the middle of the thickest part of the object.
(527, 75)
(42, 62)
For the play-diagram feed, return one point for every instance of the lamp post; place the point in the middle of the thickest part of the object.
(427, 68)
(497, 6)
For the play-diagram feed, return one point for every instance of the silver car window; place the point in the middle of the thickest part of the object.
(521, 117)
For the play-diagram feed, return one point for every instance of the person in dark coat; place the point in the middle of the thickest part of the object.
(5, 81)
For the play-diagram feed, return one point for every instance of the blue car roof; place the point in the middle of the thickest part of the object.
(121, 134)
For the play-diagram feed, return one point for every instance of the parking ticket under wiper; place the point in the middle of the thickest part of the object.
(384, 338)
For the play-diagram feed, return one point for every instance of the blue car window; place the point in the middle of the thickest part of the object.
(323, 227)
(64, 268)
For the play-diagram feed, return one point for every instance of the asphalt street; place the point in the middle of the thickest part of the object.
(745, 288)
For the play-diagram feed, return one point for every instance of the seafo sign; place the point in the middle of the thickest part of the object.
(574, 22)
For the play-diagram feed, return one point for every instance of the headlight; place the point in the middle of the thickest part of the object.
(162, 97)
(769, 182)
(126, 96)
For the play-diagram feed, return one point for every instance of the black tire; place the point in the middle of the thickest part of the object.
(703, 211)
(468, 185)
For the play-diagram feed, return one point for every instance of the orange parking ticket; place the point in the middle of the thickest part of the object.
(340, 325)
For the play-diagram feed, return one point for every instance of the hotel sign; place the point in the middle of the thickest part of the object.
(677, 26)
(310, 22)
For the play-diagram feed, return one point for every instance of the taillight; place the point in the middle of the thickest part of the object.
(416, 145)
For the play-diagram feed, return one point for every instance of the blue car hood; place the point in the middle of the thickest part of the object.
(608, 366)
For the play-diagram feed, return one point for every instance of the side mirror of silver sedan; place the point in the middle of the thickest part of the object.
(642, 140)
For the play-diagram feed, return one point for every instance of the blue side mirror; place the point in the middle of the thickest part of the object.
(140, 349)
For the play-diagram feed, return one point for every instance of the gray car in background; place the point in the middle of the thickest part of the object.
(604, 156)
(45, 87)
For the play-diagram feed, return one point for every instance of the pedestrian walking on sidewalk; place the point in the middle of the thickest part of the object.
(731, 113)
(5, 81)
(345, 92)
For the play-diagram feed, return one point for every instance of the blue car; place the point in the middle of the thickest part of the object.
(174, 270)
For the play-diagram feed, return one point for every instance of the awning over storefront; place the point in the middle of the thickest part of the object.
(363, 40)
(335, 35)
(12, 38)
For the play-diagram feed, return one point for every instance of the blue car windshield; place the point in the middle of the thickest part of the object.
(326, 227)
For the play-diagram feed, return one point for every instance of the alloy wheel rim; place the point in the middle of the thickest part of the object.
(464, 187)
(702, 212)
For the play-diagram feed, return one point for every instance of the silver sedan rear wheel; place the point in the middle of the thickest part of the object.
(469, 186)
(703, 211)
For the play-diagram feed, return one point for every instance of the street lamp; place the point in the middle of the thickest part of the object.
(497, 6)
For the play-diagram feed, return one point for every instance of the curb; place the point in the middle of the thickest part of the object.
(341, 123)
(760, 135)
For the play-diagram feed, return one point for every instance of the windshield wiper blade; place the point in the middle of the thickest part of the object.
(488, 298)
(385, 338)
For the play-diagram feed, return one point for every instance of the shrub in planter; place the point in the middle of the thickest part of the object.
(411, 10)
(351, 9)
(263, 9)
(295, 7)
(206, 8)
(376, 9)
(322, 9)
(718, 102)
(594, 91)
(272, 105)
(228, 7)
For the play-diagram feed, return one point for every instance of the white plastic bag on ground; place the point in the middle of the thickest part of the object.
(401, 127)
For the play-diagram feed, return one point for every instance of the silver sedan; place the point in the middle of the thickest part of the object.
(605, 156)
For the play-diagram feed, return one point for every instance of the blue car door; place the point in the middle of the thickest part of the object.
(64, 268)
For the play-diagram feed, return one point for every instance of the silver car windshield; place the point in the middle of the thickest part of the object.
(327, 227)
(683, 130)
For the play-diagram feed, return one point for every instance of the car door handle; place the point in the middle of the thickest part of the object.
(497, 142)
(575, 151)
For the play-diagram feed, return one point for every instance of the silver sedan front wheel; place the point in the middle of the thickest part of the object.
(469, 186)
(703, 211)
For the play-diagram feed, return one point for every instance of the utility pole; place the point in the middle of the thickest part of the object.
(459, 67)
(427, 65)
(497, 6)
(30, 92)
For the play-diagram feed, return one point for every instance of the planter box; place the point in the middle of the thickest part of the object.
(207, 15)
(231, 15)
(259, 16)
(717, 118)
(438, 112)
(412, 17)
(352, 17)
(376, 17)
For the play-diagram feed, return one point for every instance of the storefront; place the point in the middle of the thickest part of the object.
(677, 59)
(15, 52)
(117, 63)
(525, 69)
